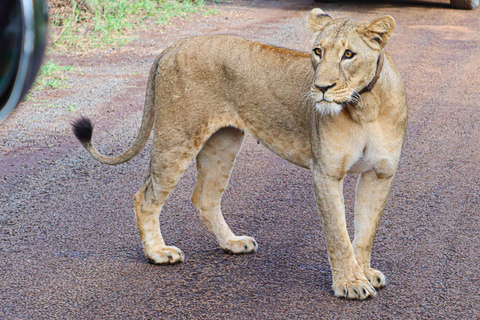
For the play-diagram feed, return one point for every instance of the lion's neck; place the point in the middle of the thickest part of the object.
(363, 113)
(370, 105)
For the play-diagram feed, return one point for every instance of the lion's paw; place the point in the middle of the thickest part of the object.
(166, 255)
(240, 245)
(375, 277)
(357, 289)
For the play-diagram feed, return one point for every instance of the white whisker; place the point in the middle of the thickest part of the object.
(307, 99)
(357, 98)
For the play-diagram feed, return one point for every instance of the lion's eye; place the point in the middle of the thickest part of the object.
(348, 54)
(318, 52)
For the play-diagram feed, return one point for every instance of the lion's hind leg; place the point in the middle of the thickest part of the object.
(147, 211)
(169, 161)
(214, 165)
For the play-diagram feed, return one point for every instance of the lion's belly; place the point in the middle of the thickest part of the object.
(283, 134)
(294, 152)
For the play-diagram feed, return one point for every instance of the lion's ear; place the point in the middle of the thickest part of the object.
(378, 31)
(317, 20)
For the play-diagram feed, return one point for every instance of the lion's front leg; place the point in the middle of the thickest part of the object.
(348, 278)
(371, 196)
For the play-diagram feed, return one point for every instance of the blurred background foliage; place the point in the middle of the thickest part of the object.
(82, 25)
(91, 26)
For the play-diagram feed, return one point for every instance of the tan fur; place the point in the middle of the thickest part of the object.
(205, 92)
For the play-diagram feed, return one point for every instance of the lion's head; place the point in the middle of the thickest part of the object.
(344, 57)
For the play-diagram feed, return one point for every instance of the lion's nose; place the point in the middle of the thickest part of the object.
(324, 89)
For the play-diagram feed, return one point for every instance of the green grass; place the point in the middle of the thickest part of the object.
(103, 24)
(210, 12)
(52, 75)
(71, 108)
(171, 9)
(107, 22)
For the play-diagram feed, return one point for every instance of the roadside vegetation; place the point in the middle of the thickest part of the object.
(52, 75)
(83, 26)
(87, 24)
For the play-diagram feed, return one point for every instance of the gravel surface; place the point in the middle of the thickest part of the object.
(68, 241)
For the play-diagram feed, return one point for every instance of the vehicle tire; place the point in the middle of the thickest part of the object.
(464, 4)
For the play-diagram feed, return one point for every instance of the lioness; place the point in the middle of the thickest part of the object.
(346, 114)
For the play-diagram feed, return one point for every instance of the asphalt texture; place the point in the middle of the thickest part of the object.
(69, 248)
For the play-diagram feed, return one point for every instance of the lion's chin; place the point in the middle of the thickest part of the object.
(328, 108)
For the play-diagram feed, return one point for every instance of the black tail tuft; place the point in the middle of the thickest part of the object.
(82, 129)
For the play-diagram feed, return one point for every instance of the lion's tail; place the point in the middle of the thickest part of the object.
(83, 128)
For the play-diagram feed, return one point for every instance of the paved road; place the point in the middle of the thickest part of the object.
(69, 248)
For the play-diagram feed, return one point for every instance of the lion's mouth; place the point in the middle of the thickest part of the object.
(325, 107)
(328, 105)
